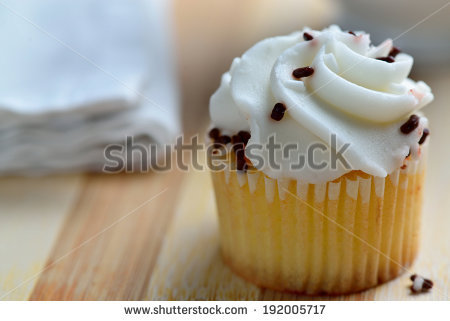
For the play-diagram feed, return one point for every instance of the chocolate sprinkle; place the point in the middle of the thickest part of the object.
(278, 111)
(224, 139)
(245, 135)
(352, 33)
(394, 52)
(388, 59)
(426, 285)
(307, 36)
(238, 143)
(236, 139)
(303, 72)
(241, 164)
(425, 134)
(214, 133)
(410, 124)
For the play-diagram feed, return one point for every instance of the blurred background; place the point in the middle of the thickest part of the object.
(211, 33)
(76, 76)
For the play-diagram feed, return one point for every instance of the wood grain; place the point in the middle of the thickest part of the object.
(31, 213)
(127, 261)
(110, 240)
(189, 266)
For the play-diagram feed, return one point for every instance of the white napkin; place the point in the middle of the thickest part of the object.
(76, 76)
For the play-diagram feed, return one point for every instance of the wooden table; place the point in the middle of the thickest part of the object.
(154, 236)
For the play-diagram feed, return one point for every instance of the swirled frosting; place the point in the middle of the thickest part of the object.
(360, 100)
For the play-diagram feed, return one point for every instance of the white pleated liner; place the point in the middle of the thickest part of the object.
(354, 188)
(334, 190)
(270, 188)
(283, 185)
(252, 178)
(288, 260)
(361, 187)
(226, 172)
(242, 178)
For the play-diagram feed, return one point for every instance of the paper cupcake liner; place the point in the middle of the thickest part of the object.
(331, 238)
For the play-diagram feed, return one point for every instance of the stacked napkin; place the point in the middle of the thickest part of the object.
(76, 76)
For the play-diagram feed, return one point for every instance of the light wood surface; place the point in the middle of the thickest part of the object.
(150, 237)
(154, 236)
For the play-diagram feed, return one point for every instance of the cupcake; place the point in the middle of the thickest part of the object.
(322, 152)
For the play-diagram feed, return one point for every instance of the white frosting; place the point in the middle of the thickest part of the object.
(362, 100)
(360, 188)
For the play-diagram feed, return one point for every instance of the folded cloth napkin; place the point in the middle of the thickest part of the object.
(76, 76)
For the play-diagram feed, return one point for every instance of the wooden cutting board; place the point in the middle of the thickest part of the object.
(149, 237)
(154, 236)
